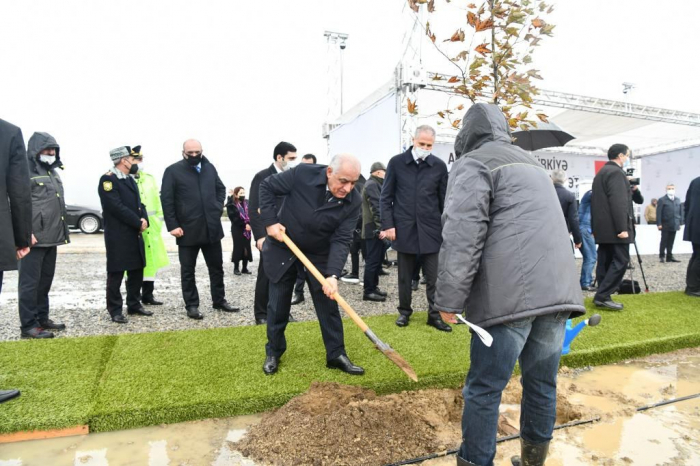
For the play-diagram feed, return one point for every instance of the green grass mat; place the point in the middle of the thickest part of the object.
(129, 381)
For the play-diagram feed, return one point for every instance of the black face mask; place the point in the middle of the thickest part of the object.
(194, 161)
(133, 169)
(241, 198)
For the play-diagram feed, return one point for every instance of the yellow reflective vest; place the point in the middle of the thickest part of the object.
(156, 255)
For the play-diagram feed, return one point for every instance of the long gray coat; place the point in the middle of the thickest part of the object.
(505, 253)
(15, 196)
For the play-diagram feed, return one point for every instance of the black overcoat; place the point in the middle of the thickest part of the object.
(692, 212)
(122, 212)
(669, 214)
(322, 230)
(254, 204)
(412, 200)
(15, 196)
(611, 205)
(241, 244)
(194, 202)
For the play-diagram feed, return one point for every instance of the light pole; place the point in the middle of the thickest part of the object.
(339, 38)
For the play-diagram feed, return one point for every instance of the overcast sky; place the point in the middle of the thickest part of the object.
(241, 76)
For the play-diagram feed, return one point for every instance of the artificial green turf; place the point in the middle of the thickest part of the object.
(135, 380)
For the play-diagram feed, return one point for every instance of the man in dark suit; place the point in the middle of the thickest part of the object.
(319, 213)
(612, 221)
(285, 158)
(193, 197)
(669, 218)
(412, 200)
(567, 200)
(692, 234)
(125, 219)
(15, 208)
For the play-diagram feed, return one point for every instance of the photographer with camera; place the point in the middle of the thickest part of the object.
(371, 227)
(669, 218)
(612, 220)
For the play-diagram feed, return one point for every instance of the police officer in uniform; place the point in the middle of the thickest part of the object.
(125, 219)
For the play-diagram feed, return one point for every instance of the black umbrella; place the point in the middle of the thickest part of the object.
(544, 135)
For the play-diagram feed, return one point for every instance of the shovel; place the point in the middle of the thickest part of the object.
(381, 346)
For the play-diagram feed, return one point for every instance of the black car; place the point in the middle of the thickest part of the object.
(88, 220)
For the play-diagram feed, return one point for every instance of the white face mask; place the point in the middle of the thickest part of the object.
(421, 153)
(289, 164)
(47, 159)
(671, 192)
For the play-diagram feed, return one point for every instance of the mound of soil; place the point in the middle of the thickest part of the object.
(335, 424)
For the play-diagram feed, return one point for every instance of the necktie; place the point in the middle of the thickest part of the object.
(198, 168)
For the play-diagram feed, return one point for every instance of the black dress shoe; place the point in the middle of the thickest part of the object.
(139, 310)
(609, 304)
(381, 292)
(661, 259)
(271, 365)
(151, 301)
(402, 321)
(414, 285)
(672, 259)
(373, 297)
(51, 325)
(226, 307)
(236, 272)
(193, 312)
(7, 395)
(695, 294)
(260, 321)
(246, 272)
(382, 272)
(440, 325)
(120, 319)
(298, 298)
(343, 363)
(589, 288)
(37, 332)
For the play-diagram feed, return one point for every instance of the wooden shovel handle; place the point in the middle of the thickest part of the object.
(314, 271)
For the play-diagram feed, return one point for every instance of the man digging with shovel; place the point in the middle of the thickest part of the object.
(506, 260)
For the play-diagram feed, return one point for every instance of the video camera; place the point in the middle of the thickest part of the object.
(630, 176)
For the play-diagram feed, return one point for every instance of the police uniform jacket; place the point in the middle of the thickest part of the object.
(122, 212)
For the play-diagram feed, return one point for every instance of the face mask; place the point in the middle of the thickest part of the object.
(626, 165)
(47, 159)
(421, 153)
(288, 165)
(133, 169)
(671, 192)
(194, 161)
(241, 198)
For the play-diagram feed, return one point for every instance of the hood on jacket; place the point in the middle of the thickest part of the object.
(39, 142)
(482, 123)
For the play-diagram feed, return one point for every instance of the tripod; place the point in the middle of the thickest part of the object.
(639, 259)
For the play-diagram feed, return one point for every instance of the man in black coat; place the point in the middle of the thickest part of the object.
(567, 200)
(669, 218)
(412, 200)
(319, 213)
(692, 234)
(124, 218)
(15, 208)
(193, 201)
(285, 158)
(612, 221)
(371, 226)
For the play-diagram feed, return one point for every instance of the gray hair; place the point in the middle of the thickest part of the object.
(425, 129)
(558, 176)
(339, 160)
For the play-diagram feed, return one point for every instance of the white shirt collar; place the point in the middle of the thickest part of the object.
(277, 168)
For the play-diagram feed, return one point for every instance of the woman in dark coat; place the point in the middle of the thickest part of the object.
(237, 209)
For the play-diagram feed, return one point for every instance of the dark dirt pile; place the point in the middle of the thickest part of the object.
(335, 424)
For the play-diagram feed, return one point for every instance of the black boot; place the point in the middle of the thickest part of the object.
(462, 462)
(147, 295)
(531, 454)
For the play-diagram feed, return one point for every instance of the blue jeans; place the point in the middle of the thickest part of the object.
(589, 255)
(536, 343)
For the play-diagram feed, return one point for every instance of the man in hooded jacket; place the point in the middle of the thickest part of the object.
(505, 260)
(36, 270)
